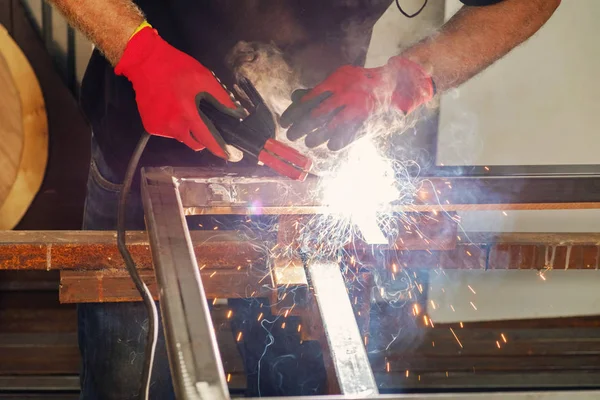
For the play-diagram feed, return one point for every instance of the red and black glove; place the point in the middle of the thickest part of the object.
(334, 111)
(168, 86)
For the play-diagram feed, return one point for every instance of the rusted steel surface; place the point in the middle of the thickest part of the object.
(92, 270)
(76, 250)
(116, 286)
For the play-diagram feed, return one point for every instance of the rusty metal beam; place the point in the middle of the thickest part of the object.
(116, 286)
(96, 250)
(92, 270)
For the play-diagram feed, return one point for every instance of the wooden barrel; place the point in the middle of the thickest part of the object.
(23, 133)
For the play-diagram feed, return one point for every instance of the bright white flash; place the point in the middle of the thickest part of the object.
(361, 187)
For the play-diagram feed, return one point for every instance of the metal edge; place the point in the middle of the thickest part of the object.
(194, 356)
(348, 353)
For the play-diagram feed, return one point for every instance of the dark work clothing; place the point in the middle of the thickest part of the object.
(112, 335)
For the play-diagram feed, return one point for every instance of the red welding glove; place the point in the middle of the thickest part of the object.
(168, 86)
(335, 110)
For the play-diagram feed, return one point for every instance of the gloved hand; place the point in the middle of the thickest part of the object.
(334, 110)
(168, 86)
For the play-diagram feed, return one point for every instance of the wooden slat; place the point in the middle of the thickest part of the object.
(487, 381)
(440, 342)
(29, 280)
(492, 363)
(40, 353)
(35, 312)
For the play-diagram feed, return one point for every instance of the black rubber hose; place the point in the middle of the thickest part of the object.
(152, 336)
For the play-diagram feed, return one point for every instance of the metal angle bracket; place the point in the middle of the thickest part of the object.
(196, 365)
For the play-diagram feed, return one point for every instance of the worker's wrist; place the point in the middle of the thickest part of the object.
(144, 24)
(404, 68)
(138, 49)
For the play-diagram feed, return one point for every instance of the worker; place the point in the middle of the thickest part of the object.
(153, 57)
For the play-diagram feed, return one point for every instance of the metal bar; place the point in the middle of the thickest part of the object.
(87, 251)
(348, 353)
(539, 395)
(195, 361)
(76, 250)
(509, 171)
(107, 286)
(40, 383)
(247, 192)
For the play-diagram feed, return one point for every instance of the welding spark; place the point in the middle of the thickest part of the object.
(503, 337)
(471, 289)
(239, 337)
(416, 309)
(457, 340)
(229, 314)
(473, 305)
(362, 188)
(498, 344)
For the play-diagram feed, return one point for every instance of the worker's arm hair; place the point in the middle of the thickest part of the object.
(108, 23)
(476, 37)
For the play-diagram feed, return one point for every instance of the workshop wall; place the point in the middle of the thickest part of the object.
(520, 110)
(69, 49)
(537, 106)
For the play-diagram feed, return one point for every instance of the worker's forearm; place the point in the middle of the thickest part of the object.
(476, 37)
(107, 23)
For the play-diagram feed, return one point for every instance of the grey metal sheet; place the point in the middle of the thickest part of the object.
(348, 353)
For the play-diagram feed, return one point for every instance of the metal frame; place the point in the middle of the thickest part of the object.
(170, 194)
(191, 343)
